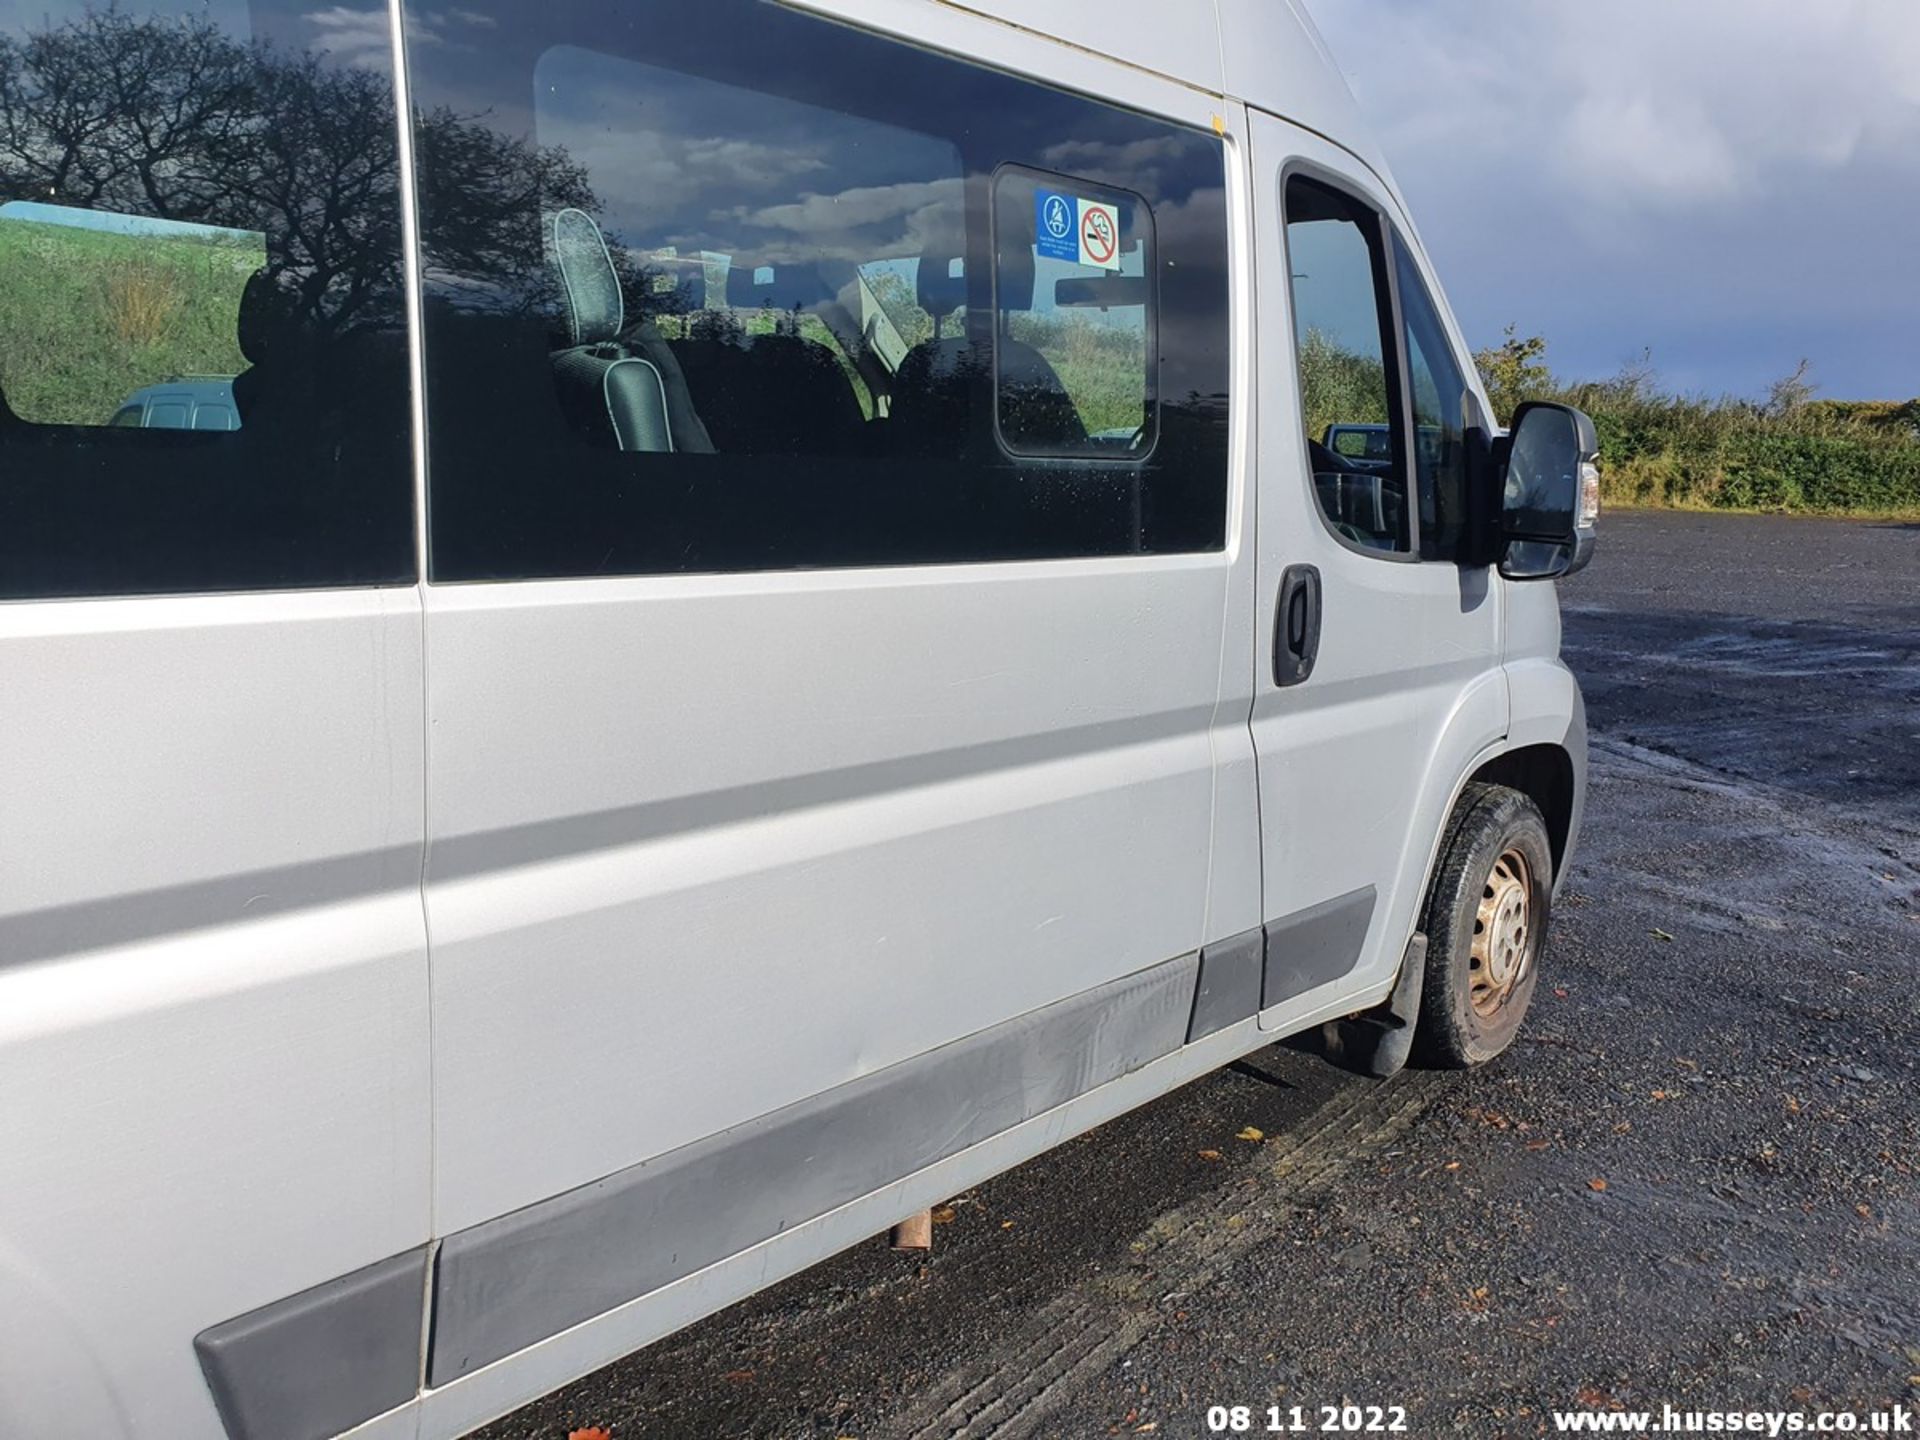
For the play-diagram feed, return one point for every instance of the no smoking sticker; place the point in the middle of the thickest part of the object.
(1085, 232)
(1099, 235)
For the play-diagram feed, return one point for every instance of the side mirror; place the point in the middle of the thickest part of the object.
(1550, 492)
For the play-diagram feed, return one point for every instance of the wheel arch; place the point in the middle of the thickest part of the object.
(1545, 775)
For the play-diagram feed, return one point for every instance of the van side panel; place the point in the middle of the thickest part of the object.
(213, 997)
(705, 846)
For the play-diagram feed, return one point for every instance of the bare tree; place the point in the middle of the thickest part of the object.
(1790, 392)
(176, 119)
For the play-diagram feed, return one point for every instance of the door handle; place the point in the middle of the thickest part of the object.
(1296, 625)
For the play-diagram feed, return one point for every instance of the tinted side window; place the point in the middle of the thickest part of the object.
(203, 380)
(1342, 334)
(732, 287)
(1438, 392)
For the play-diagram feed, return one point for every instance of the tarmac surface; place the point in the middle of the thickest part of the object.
(1692, 1181)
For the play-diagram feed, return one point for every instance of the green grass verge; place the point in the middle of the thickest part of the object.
(1761, 468)
(1792, 454)
(87, 317)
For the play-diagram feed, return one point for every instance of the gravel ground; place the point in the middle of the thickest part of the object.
(1692, 1181)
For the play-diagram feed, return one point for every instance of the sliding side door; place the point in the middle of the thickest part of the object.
(820, 765)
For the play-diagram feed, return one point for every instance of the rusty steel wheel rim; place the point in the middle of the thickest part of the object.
(1502, 934)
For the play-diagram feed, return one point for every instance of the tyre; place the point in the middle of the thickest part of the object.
(1486, 926)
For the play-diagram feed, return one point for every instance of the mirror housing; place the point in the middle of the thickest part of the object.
(1550, 492)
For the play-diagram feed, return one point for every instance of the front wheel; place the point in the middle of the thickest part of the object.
(1486, 926)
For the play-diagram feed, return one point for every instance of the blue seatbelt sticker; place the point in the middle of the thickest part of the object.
(1056, 225)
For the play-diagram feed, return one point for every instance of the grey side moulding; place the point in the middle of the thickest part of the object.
(1315, 946)
(1229, 985)
(329, 1358)
(506, 1283)
(322, 1361)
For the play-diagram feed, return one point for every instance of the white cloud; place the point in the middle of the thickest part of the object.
(654, 182)
(364, 37)
(867, 220)
(356, 37)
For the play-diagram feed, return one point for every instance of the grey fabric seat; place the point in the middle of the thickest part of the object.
(606, 389)
(782, 393)
(940, 378)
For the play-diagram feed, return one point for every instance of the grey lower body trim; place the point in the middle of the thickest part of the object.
(1229, 985)
(320, 1362)
(1314, 946)
(504, 1284)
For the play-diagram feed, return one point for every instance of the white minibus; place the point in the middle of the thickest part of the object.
(747, 621)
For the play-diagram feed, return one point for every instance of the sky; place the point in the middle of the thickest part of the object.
(1733, 185)
(114, 221)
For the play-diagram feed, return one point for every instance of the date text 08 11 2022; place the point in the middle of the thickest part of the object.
(1307, 1419)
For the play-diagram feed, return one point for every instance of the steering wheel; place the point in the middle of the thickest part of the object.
(1324, 458)
(1329, 461)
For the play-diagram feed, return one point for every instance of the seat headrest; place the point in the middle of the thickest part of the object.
(596, 311)
(776, 287)
(940, 283)
(1013, 285)
(265, 323)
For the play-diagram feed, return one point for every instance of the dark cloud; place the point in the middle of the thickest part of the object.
(1733, 184)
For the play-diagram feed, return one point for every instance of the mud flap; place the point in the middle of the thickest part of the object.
(1377, 1042)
